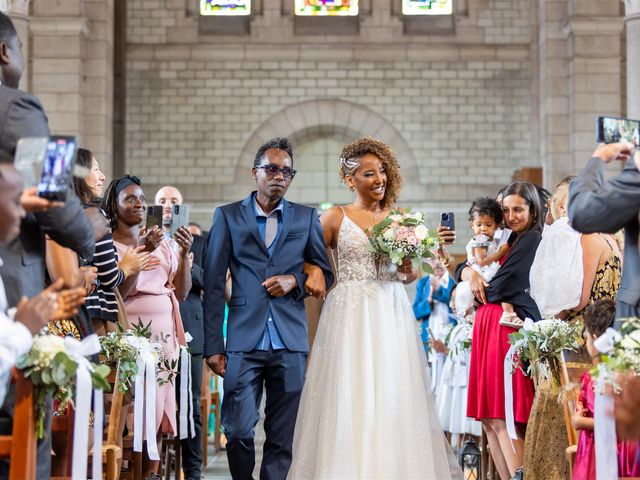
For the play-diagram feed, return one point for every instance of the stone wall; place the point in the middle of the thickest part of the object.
(460, 107)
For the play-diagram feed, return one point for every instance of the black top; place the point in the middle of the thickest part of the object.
(511, 283)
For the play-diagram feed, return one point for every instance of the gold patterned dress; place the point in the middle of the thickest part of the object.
(546, 439)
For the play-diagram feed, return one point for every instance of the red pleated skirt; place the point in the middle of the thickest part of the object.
(485, 397)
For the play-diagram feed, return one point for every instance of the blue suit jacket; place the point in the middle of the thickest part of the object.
(235, 244)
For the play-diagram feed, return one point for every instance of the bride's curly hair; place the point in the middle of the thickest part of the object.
(350, 162)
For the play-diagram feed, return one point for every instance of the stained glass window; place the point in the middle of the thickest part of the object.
(427, 7)
(326, 7)
(225, 7)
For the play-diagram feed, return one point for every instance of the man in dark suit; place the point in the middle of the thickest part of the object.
(192, 320)
(23, 272)
(264, 241)
(596, 205)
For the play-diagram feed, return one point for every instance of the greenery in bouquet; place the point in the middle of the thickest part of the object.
(53, 372)
(539, 344)
(402, 235)
(124, 347)
(620, 353)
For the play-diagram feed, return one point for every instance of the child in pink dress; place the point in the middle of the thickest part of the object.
(597, 318)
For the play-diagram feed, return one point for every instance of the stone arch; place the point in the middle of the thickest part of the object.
(348, 120)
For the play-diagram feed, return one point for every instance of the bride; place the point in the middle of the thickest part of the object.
(367, 410)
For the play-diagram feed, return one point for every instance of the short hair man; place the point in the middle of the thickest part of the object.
(264, 241)
(192, 319)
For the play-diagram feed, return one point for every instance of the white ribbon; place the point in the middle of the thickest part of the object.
(186, 395)
(605, 342)
(605, 435)
(508, 394)
(78, 351)
(145, 419)
(185, 390)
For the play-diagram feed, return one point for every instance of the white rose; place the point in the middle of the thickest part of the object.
(396, 218)
(418, 216)
(50, 344)
(388, 234)
(421, 232)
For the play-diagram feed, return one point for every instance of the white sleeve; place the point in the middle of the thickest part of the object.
(16, 340)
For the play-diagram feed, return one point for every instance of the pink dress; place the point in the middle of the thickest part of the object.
(153, 300)
(584, 467)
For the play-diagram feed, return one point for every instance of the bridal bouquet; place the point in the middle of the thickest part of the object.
(401, 235)
(620, 352)
(52, 365)
(539, 343)
(128, 346)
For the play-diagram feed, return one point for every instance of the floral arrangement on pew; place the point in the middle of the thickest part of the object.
(401, 235)
(539, 344)
(127, 347)
(619, 354)
(54, 362)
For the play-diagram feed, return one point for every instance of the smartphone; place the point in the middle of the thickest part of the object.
(447, 219)
(28, 159)
(154, 216)
(179, 217)
(57, 168)
(614, 129)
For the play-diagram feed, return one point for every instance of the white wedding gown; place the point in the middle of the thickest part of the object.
(367, 410)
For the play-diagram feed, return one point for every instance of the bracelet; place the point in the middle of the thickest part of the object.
(446, 260)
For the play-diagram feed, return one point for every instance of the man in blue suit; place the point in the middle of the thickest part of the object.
(264, 241)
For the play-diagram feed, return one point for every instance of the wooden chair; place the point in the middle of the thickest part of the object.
(572, 366)
(20, 446)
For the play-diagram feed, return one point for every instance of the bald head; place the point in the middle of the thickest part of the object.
(168, 196)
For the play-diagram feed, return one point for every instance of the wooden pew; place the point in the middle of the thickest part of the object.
(20, 446)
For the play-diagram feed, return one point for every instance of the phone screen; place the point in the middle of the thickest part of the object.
(613, 130)
(57, 166)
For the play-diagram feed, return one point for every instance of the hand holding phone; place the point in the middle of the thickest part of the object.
(618, 130)
(447, 228)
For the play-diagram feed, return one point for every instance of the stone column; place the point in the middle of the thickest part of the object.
(594, 33)
(18, 10)
(632, 22)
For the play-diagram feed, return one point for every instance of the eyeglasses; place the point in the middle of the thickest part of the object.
(272, 171)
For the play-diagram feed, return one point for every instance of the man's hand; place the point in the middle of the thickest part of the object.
(98, 221)
(315, 284)
(32, 203)
(280, 285)
(438, 345)
(217, 363)
(35, 313)
(608, 152)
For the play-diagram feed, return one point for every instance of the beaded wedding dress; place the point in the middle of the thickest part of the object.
(367, 410)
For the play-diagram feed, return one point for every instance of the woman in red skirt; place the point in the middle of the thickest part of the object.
(523, 214)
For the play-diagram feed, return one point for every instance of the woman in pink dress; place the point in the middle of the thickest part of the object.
(153, 295)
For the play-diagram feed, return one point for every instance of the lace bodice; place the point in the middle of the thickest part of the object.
(354, 261)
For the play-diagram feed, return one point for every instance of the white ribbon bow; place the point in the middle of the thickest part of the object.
(145, 380)
(78, 351)
(605, 342)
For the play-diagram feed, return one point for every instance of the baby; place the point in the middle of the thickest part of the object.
(484, 252)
